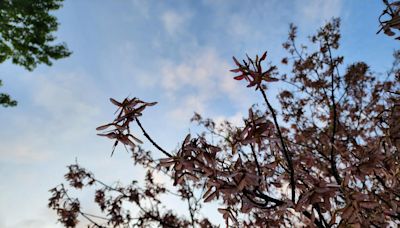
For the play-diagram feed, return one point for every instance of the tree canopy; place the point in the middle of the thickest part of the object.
(26, 35)
(327, 156)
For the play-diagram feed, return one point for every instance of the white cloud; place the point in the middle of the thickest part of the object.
(23, 152)
(205, 73)
(142, 6)
(204, 77)
(238, 27)
(235, 120)
(200, 72)
(236, 91)
(316, 12)
(174, 22)
(64, 97)
(34, 223)
(61, 112)
(188, 106)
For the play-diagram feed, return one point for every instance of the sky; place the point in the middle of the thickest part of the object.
(177, 53)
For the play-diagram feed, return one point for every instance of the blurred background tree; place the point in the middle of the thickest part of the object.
(26, 35)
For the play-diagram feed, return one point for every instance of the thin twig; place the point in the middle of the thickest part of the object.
(151, 140)
(79, 211)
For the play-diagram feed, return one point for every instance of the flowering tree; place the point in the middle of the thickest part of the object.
(327, 156)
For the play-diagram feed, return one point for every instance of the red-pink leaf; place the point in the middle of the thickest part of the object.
(140, 109)
(110, 135)
(240, 77)
(271, 79)
(151, 103)
(187, 139)
(136, 139)
(368, 204)
(236, 62)
(115, 102)
(210, 197)
(263, 56)
(347, 212)
(236, 70)
(103, 127)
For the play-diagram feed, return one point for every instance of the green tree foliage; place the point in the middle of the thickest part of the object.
(5, 99)
(26, 35)
(26, 29)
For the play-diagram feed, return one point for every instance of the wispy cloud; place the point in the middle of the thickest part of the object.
(199, 81)
(143, 7)
(188, 106)
(317, 12)
(64, 96)
(33, 223)
(61, 111)
(24, 151)
(235, 120)
(199, 72)
(174, 22)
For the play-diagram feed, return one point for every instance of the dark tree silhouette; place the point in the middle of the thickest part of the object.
(26, 35)
(326, 156)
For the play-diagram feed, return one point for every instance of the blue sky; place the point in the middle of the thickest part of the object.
(175, 52)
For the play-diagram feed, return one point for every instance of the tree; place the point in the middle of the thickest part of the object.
(328, 158)
(26, 35)
(5, 99)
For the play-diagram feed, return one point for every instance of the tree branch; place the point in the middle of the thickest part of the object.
(334, 121)
(256, 160)
(151, 140)
(284, 148)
